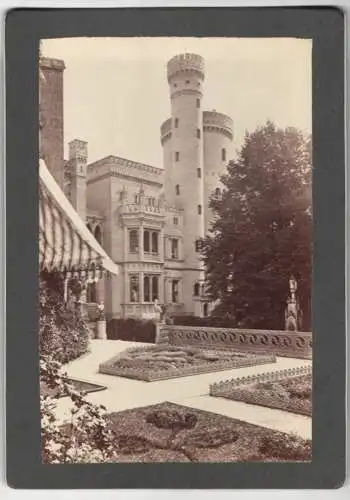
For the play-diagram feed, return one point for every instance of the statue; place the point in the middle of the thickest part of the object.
(160, 310)
(291, 313)
(101, 311)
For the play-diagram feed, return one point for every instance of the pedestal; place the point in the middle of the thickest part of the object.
(101, 332)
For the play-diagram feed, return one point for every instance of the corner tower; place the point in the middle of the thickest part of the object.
(182, 139)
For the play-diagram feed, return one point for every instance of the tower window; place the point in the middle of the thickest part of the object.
(196, 290)
(199, 173)
(187, 82)
(199, 209)
(177, 189)
(175, 221)
(176, 122)
(198, 133)
(223, 154)
(177, 156)
(198, 103)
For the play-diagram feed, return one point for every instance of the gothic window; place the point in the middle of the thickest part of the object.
(177, 156)
(196, 290)
(133, 241)
(223, 154)
(174, 248)
(198, 133)
(155, 243)
(199, 173)
(176, 122)
(98, 234)
(199, 209)
(146, 242)
(175, 291)
(177, 189)
(134, 288)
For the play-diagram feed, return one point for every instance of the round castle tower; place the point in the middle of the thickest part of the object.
(196, 150)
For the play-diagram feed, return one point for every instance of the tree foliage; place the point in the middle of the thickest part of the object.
(262, 230)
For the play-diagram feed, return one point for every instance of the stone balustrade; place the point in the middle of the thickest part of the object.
(281, 343)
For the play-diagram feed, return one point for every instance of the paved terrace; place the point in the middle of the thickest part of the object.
(192, 391)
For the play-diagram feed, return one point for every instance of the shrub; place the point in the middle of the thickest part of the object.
(87, 438)
(62, 333)
(134, 330)
(286, 447)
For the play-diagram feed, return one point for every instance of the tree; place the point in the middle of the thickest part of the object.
(262, 230)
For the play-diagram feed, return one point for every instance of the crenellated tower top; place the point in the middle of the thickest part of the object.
(186, 63)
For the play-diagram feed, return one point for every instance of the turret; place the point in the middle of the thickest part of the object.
(77, 162)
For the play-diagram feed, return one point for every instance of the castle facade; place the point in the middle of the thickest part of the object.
(148, 219)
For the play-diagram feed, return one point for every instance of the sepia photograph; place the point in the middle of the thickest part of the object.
(176, 249)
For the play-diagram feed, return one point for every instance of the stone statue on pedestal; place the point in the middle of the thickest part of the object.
(291, 313)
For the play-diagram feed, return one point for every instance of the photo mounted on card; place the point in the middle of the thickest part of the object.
(186, 297)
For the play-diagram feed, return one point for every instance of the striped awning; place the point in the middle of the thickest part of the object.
(65, 243)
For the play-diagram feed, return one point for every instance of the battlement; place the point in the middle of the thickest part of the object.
(212, 120)
(49, 63)
(186, 62)
(78, 149)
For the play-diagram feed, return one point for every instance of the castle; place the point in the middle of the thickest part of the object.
(148, 219)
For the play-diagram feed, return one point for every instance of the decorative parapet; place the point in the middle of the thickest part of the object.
(132, 208)
(224, 387)
(218, 122)
(186, 62)
(281, 343)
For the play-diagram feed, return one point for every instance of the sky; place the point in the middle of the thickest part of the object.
(116, 93)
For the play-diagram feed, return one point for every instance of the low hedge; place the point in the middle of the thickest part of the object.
(133, 330)
(211, 321)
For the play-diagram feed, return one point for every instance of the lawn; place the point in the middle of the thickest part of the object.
(292, 394)
(158, 362)
(168, 432)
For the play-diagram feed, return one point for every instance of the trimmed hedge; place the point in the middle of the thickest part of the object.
(133, 330)
(211, 321)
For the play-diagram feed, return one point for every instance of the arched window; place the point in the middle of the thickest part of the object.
(177, 189)
(146, 242)
(223, 154)
(196, 290)
(155, 242)
(199, 209)
(98, 234)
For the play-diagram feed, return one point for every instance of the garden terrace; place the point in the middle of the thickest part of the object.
(161, 362)
(289, 390)
(168, 432)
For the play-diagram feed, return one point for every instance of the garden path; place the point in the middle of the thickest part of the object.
(192, 391)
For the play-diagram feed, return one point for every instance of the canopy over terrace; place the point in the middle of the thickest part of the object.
(65, 243)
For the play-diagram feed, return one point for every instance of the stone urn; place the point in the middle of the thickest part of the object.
(101, 330)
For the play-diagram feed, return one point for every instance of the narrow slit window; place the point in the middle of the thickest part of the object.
(198, 133)
(199, 209)
(199, 173)
(177, 156)
(177, 189)
(223, 154)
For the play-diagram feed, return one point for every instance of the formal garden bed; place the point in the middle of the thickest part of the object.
(293, 394)
(81, 386)
(168, 432)
(164, 362)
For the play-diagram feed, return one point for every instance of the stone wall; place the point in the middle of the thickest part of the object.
(281, 343)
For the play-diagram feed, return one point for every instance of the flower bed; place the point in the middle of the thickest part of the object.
(293, 394)
(167, 432)
(163, 362)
